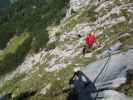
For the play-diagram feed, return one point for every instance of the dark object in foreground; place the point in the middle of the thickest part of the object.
(82, 87)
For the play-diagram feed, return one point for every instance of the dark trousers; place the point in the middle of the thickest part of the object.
(86, 49)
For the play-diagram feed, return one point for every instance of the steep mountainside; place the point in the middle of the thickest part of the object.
(32, 17)
(42, 42)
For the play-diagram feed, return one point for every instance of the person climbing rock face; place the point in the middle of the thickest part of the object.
(90, 43)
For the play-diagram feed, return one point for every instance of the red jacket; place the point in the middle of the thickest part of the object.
(90, 39)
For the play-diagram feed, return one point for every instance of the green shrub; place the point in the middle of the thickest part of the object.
(15, 53)
(22, 16)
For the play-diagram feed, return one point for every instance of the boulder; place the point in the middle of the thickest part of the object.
(112, 76)
(116, 46)
(113, 49)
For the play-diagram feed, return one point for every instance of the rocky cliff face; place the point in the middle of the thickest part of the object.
(44, 74)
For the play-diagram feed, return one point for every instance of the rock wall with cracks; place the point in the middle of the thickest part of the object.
(111, 20)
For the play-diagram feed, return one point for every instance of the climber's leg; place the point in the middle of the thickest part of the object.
(86, 49)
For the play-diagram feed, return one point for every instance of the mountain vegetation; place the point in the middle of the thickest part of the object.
(29, 17)
(40, 46)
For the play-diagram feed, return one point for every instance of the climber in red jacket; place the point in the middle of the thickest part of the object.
(90, 42)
